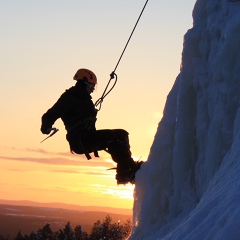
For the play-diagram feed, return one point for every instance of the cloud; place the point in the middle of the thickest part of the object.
(124, 192)
(18, 170)
(59, 161)
(95, 173)
(66, 171)
(40, 150)
(104, 156)
(98, 173)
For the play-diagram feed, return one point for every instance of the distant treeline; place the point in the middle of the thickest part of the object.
(100, 230)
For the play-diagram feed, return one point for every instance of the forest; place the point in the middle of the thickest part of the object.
(104, 229)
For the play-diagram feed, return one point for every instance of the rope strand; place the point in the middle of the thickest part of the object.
(112, 75)
(130, 36)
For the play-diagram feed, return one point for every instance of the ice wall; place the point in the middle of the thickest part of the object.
(197, 144)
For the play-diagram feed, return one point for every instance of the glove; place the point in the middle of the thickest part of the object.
(45, 130)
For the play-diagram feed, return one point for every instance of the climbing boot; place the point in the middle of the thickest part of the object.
(126, 174)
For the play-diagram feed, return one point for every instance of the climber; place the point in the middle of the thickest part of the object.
(78, 113)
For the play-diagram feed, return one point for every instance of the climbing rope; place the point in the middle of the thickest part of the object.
(113, 74)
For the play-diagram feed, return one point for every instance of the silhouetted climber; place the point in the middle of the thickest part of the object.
(78, 113)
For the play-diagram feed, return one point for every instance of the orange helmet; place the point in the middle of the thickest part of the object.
(85, 74)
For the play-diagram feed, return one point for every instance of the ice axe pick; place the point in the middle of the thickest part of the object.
(54, 131)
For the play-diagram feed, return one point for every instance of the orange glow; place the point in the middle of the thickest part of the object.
(62, 177)
(38, 65)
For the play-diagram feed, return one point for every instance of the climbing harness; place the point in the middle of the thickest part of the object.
(113, 74)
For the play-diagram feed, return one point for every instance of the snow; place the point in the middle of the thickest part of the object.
(189, 188)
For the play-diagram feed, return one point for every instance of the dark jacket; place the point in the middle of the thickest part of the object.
(77, 111)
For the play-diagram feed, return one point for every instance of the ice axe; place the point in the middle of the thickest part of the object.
(54, 131)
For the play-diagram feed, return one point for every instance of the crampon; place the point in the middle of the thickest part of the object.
(128, 175)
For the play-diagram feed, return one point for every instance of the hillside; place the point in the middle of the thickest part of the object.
(29, 218)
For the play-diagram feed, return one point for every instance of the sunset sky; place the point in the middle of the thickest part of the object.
(43, 43)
